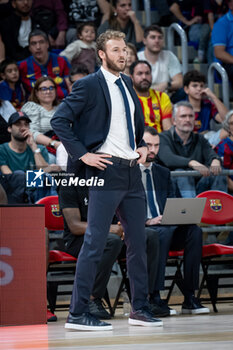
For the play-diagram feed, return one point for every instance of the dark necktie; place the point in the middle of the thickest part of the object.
(127, 112)
(150, 196)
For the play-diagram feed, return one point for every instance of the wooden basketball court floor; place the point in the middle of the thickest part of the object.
(213, 331)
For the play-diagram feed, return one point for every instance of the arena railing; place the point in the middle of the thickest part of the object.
(147, 9)
(215, 66)
(175, 27)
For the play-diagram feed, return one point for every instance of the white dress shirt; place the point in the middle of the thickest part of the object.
(117, 141)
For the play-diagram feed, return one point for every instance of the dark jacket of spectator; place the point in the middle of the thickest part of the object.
(174, 155)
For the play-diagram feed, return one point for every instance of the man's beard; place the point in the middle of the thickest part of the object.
(144, 88)
(112, 66)
(151, 159)
(23, 14)
(20, 138)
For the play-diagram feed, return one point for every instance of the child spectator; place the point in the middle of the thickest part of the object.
(83, 50)
(205, 103)
(131, 57)
(10, 88)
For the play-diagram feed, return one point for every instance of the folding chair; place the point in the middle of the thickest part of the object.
(218, 211)
(175, 259)
(124, 285)
(61, 265)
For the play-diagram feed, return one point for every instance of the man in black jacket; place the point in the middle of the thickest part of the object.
(187, 237)
(14, 31)
(182, 149)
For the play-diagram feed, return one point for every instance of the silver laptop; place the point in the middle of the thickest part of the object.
(181, 211)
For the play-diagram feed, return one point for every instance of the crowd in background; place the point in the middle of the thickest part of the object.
(45, 46)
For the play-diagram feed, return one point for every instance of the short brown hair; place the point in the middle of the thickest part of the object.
(33, 97)
(152, 28)
(106, 36)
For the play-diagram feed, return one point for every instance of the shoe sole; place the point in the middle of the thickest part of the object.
(195, 312)
(80, 327)
(134, 322)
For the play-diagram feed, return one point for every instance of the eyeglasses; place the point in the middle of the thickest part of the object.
(44, 88)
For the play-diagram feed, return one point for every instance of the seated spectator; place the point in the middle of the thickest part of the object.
(77, 72)
(83, 50)
(213, 10)
(74, 205)
(42, 62)
(206, 104)
(187, 237)
(166, 68)
(14, 31)
(156, 105)
(225, 148)
(131, 57)
(190, 14)
(10, 88)
(40, 108)
(124, 19)
(79, 11)
(182, 149)
(49, 16)
(18, 156)
(222, 40)
(6, 109)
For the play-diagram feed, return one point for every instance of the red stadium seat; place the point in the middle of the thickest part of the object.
(218, 211)
(61, 265)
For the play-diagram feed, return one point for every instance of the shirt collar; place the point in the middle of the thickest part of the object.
(178, 139)
(109, 76)
(143, 167)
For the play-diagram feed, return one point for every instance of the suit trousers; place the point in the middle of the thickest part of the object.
(124, 194)
(187, 237)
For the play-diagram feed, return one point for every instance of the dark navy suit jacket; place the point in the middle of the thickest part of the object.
(163, 186)
(82, 120)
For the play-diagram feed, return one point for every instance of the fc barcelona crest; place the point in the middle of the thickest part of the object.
(215, 205)
(56, 210)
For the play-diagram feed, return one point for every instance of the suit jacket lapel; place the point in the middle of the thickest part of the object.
(104, 87)
(156, 180)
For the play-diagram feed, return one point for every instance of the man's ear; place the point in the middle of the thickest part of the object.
(13, 4)
(186, 89)
(173, 121)
(9, 129)
(101, 54)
